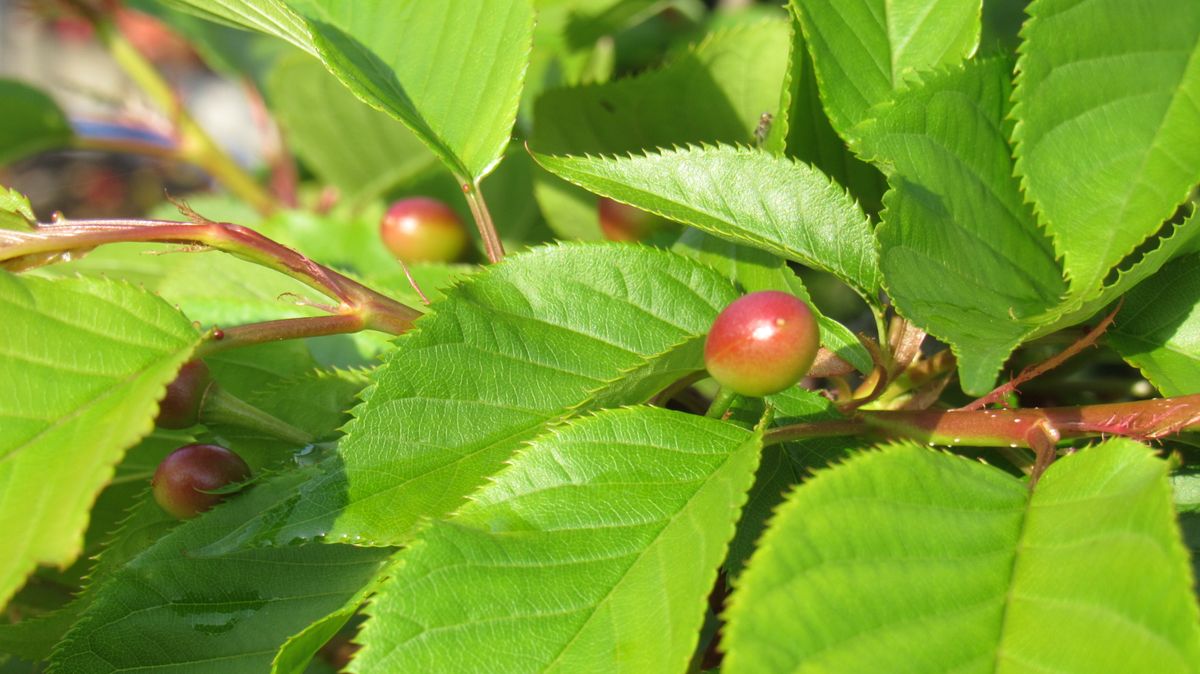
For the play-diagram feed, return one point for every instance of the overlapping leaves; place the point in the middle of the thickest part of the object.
(928, 562)
(603, 539)
(452, 72)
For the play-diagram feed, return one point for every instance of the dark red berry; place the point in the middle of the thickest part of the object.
(622, 222)
(420, 229)
(180, 407)
(762, 343)
(183, 477)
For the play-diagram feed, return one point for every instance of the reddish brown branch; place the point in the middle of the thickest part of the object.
(1045, 366)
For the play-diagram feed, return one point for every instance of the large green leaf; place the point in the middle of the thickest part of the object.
(746, 196)
(1107, 103)
(32, 122)
(602, 538)
(515, 348)
(84, 364)
(864, 50)
(725, 83)
(1158, 329)
(962, 256)
(362, 151)
(910, 559)
(177, 607)
(452, 72)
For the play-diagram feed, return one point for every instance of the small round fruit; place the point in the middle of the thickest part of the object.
(420, 229)
(180, 407)
(187, 473)
(762, 343)
(622, 222)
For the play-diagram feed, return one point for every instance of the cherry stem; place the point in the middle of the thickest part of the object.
(1045, 366)
(359, 306)
(223, 339)
(492, 245)
(721, 403)
(1141, 420)
(195, 145)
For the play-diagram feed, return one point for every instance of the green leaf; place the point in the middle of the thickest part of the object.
(363, 151)
(178, 607)
(754, 270)
(451, 72)
(746, 196)
(15, 210)
(865, 50)
(802, 130)
(1158, 329)
(515, 348)
(962, 256)
(602, 538)
(912, 556)
(1107, 103)
(725, 84)
(32, 122)
(84, 364)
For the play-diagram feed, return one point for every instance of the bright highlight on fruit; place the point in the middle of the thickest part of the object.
(420, 229)
(183, 477)
(762, 343)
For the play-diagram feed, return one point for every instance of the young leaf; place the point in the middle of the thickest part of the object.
(928, 562)
(452, 72)
(32, 122)
(746, 196)
(1158, 330)
(962, 256)
(176, 605)
(520, 346)
(84, 364)
(15, 210)
(725, 83)
(362, 151)
(602, 538)
(1107, 109)
(864, 50)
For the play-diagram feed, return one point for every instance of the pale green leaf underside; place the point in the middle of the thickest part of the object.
(1108, 107)
(362, 151)
(519, 346)
(962, 256)
(451, 71)
(911, 556)
(177, 608)
(746, 196)
(602, 539)
(32, 122)
(864, 50)
(83, 364)
(1158, 329)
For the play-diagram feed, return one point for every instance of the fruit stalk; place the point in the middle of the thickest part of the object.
(483, 220)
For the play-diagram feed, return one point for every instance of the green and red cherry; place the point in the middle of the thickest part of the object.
(622, 222)
(420, 229)
(762, 343)
(183, 481)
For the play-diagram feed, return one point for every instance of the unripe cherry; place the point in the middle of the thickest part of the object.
(180, 407)
(622, 222)
(420, 229)
(181, 480)
(762, 343)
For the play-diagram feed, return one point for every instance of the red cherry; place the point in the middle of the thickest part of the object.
(622, 222)
(762, 343)
(180, 407)
(183, 477)
(420, 229)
